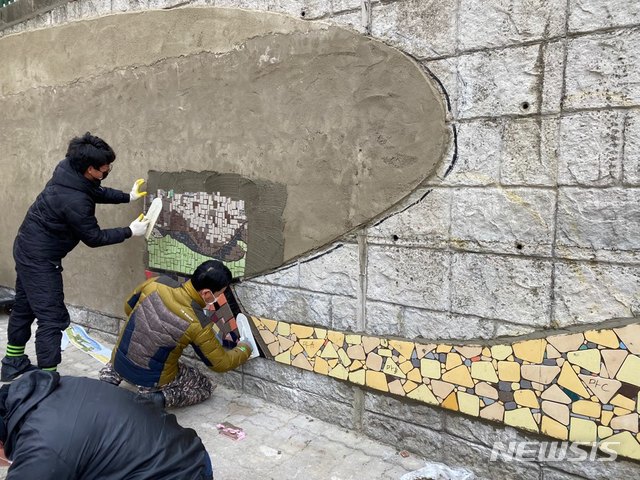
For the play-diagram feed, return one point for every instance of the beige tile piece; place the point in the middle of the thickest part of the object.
(409, 386)
(339, 372)
(605, 417)
(486, 352)
(566, 342)
(302, 331)
(404, 348)
(356, 352)
(453, 360)
(344, 358)
(509, 371)
(384, 352)
(494, 412)
(554, 428)
(268, 337)
(624, 444)
(530, 350)
(406, 366)
(357, 377)
(423, 349)
(526, 398)
(484, 371)
(469, 404)
(586, 408)
(353, 339)
(430, 368)
(485, 390)
(624, 402)
(604, 432)
(296, 349)
(630, 336)
(460, 376)
(423, 394)
(396, 388)
(606, 338)
(570, 380)
(285, 343)
(329, 351)
(620, 411)
(521, 418)
(588, 359)
(336, 337)
(613, 360)
(414, 375)
(274, 348)
(284, 328)
(284, 357)
(321, 366)
(270, 324)
(392, 368)
(629, 370)
(469, 351)
(625, 422)
(515, 386)
(301, 361)
(543, 374)
(311, 345)
(370, 343)
(552, 352)
(320, 332)
(555, 394)
(377, 380)
(557, 411)
(441, 389)
(603, 388)
(581, 430)
(356, 365)
(501, 352)
(374, 361)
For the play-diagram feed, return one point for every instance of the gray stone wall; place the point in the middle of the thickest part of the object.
(532, 223)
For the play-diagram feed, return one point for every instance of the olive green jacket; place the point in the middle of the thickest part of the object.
(163, 318)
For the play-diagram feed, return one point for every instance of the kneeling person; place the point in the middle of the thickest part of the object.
(165, 317)
(57, 428)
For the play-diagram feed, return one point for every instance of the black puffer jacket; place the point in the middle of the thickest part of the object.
(60, 428)
(63, 215)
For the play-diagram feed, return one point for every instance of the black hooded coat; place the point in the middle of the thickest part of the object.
(63, 215)
(59, 428)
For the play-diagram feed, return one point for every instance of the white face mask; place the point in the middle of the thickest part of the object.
(210, 306)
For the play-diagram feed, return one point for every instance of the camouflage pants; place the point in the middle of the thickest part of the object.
(189, 387)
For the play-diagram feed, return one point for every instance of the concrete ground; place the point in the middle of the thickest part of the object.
(279, 444)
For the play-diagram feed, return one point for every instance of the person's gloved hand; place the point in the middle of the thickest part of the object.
(135, 193)
(244, 346)
(139, 226)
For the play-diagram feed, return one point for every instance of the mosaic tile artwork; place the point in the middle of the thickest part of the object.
(197, 226)
(574, 386)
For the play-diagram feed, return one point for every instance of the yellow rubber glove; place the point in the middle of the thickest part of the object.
(135, 193)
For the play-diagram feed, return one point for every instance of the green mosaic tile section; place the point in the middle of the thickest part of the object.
(167, 253)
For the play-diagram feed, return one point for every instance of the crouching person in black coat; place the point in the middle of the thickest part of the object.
(61, 216)
(61, 428)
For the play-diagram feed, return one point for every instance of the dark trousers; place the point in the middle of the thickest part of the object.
(39, 294)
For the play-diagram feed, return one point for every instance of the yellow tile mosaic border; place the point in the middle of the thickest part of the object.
(575, 386)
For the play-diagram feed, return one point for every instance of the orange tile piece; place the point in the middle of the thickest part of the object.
(377, 380)
(404, 348)
(451, 402)
(311, 345)
(321, 366)
(302, 331)
(530, 350)
(459, 375)
(570, 380)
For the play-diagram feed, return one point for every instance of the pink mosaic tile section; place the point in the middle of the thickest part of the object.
(575, 386)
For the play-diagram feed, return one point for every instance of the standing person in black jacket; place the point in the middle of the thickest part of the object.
(61, 216)
(59, 428)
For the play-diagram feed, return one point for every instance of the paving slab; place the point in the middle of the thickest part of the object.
(279, 443)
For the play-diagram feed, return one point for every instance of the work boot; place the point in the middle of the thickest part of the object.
(13, 367)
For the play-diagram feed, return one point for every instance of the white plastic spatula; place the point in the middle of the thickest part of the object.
(152, 215)
(245, 334)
